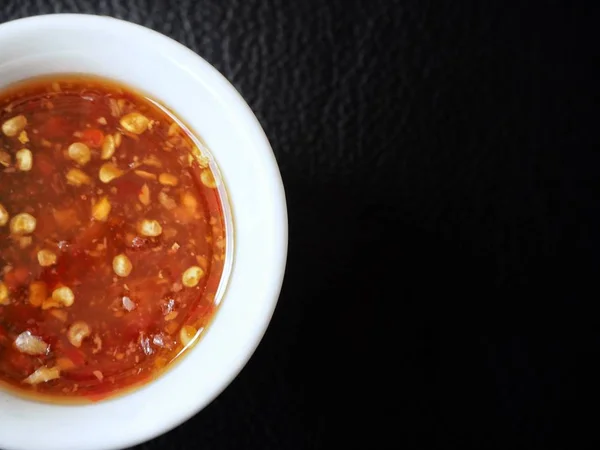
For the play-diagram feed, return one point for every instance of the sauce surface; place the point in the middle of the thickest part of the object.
(112, 238)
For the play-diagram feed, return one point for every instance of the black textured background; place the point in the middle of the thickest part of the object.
(442, 190)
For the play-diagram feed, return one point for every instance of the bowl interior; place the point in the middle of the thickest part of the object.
(203, 99)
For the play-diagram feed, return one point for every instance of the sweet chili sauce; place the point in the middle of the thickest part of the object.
(112, 238)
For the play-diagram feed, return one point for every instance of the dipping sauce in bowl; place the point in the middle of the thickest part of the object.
(112, 238)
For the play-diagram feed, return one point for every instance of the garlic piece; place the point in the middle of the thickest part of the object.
(128, 304)
(31, 345)
(43, 375)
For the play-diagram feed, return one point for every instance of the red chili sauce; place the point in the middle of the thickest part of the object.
(112, 238)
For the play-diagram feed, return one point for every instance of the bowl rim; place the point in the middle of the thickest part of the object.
(260, 141)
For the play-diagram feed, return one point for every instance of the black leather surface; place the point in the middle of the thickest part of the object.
(443, 228)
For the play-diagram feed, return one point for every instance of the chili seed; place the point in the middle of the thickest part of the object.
(152, 161)
(4, 158)
(150, 228)
(3, 215)
(4, 298)
(63, 296)
(166, 201)
(24, 159)
(23, 138)
(173, 129)
(108, 147)
(80, 153)
(145, 175)
(172, 315)
(22, 223)
(59, 314)
(109, 172)
(122, 265)
(63, 363)
(76, 177)
(135, 122)
(191, 277)
(101, 209)
(49, 304)
(167, 179)
(78, 332)
(208, 179)
(46, 258)
(187, 334)
(25, 241)
(38, 292)
(189, 202)
(144, 195)
(195, 155)
(14, 126)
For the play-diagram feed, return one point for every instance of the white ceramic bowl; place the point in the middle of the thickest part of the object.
(199, 95)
